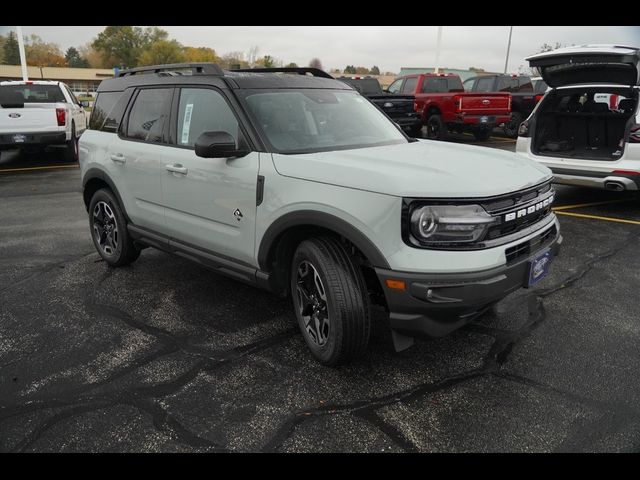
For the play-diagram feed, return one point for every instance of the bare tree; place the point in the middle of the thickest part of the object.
(315, 63)
(252, 55)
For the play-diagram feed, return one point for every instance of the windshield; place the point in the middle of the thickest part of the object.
(10, 94)
(311, 120)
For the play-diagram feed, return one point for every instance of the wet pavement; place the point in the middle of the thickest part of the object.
(164, 355)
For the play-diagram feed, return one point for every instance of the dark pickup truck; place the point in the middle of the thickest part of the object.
(524, 97)
(400, 108)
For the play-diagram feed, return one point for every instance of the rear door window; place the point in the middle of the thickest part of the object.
(148, 115)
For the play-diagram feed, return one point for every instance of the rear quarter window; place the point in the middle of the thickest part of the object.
(108, 110)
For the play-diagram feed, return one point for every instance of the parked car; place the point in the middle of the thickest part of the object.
(299, 185)
(36, 114)
(400, 108)
(523, 96)
(540, 87)
(587, 128)
(444, 106)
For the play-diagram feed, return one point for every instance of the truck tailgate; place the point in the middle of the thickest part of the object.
(30, 118)
(394, 105)
(485, 103)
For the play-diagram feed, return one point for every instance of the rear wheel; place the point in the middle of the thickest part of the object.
(71, 147)
(109, 230)
(330, 300)
(435, 128)
(482, 134)
(511, 127)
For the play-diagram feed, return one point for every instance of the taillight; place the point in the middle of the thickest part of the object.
(634, 134)
(538, 98)
(61, 115)
(457, 103)
(523, 130)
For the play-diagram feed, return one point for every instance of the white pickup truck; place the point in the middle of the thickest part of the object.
(36, 114)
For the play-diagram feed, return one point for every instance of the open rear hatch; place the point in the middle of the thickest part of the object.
(588, 64)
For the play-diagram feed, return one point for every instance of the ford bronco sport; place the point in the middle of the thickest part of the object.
(292, 181)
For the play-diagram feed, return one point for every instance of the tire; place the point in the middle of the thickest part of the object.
(71, 147)
(435, 128)
(482, 134)
(331, 301)
(511, 128)
(114, 245)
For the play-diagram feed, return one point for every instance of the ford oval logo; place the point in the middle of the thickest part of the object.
(486, 102)
(14, 115)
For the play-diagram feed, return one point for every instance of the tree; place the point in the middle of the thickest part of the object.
(200, 54)
(374, 70)
(292, 65)
(11, 51)
(43, 54)
(162, 52)
(92, 56)
(2, 42)
(362, 71)
(122, 45)
(315, 63)
(548, 48)
(74, 59)
(350, 69)
(267, 61)
(233, 60)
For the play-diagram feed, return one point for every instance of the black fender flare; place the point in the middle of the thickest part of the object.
(97, 173)
(315, 218)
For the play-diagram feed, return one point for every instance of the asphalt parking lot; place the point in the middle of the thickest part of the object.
(167, 356)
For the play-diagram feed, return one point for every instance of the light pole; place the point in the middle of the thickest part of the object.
(23, 57)
(506, 62)
(438, 44)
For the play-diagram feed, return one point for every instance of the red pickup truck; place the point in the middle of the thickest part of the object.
(444, 106)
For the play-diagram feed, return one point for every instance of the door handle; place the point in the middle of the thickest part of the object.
(118, 158)
(177, 168)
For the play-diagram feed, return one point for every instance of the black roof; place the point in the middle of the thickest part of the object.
(211, 74)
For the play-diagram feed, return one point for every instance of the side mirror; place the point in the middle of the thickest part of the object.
(218, 145)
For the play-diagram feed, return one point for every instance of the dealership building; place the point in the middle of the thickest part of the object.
(82, 81)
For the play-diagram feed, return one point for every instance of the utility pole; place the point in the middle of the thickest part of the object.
(506, 62)
(438, 44)
(23, 57)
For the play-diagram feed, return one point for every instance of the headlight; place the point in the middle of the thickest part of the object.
(438, 224)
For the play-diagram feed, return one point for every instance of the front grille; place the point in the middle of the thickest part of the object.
(499, 207)
(524, 249)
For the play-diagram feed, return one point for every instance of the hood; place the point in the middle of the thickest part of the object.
(421, 169)
(588, 64)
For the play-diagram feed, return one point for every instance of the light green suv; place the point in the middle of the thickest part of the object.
(291, 181)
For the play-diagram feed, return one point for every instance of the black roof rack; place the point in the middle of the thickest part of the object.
(196, 69)
(316, 72)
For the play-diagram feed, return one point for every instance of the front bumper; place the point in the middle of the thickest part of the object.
(19, 139)
(437, 304)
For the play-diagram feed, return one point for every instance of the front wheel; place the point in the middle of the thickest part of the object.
(330, 300)
(109, 230)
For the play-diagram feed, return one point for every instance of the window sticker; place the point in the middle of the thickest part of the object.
(186, 124)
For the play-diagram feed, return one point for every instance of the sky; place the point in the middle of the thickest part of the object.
(388, 47)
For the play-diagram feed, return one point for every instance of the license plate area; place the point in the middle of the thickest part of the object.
(538, 268)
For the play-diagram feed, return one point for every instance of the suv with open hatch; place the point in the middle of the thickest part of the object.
(291, 181)
(586, 129)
